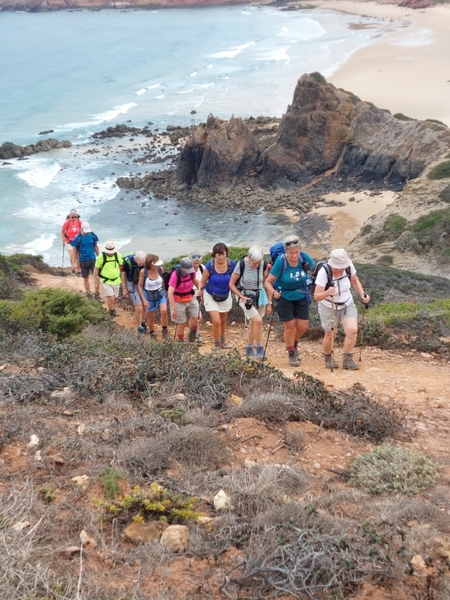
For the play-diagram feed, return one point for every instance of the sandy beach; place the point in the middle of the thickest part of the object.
(407, 71)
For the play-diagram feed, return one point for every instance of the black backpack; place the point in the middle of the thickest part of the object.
(166, 278)
(313, 275)
(116, 258)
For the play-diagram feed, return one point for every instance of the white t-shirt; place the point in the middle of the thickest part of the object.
(199, 274)
(342, 284)
(152, 285)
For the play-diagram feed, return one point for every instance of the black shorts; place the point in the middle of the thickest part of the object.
(288, 310)
(86, 267)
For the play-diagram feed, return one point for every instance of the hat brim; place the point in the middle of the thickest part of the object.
(338, 265)
(189, 271)
(158, 263)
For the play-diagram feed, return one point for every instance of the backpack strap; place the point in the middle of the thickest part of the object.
(102, 277)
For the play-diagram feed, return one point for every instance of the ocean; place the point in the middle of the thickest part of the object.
(78, 72)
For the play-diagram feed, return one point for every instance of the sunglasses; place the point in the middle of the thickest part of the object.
(292, 243)
(195, 256)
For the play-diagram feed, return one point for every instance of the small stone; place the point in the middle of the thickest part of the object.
(176, 538)
(144, 532)
(222, 501)
(34, 441)
(236, 400)
(87, 541)
(21, 525)
(81, 480)
(72, 550)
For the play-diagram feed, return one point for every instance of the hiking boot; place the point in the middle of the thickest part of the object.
(330, 362)
(224, 344)
(297, 353)
(293, 360)
(199, 340)
(192, 335)
(142, 329)
(217, 347)
(153, 335)
(260, 352)
(97, 297)
(249, 351)
(349, 363)
(112, 313)
(88, 295)
(165, 333)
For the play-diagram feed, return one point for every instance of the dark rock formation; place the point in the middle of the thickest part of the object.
(217, 153)
(10, 150)
(325, 131)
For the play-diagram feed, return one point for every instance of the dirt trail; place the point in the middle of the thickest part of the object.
(419, 381)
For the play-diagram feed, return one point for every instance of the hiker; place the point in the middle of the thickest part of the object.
(333, 293)
(153, 295)
(86, 245)
(131, 269)
(196, 259)
(70, 229)
(107, 270)
(215, 287)
(247, 282)
(182, 300)
(290, 274)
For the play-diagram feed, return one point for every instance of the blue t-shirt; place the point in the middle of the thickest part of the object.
(218, 283)
(85, 244)
(293, 279)
(131, 268)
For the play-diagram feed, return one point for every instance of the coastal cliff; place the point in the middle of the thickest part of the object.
(49, 5)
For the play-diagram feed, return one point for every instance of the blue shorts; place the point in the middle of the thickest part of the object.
(154, 304)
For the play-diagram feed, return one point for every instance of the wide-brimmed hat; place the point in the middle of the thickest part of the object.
(186, 265)
(73, 213)
(158, 263)
(110, 247)
(339, 259)
(86, 228)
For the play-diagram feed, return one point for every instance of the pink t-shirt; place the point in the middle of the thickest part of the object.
(184, 288)
(71, 228)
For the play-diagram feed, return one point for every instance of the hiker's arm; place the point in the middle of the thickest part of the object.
(234, 288)
(320, 293)
(271, 292)
(124, 282)
(172, 303)
(205, 278)
(63, 234)
(357, 285)
(141, 288)
(96, 280)
(96, 250)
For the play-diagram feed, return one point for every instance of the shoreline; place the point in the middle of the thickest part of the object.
(404, 74)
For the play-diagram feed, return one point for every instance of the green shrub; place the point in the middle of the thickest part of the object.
(444, 194)
(155, 503)
(435, 217)
(318, 77)
(111, 478)
(395, 224)
(385, 259)
(366, 229)
(392, 470)
(53, 310)
(234, 253)
(440, 171)
(402, 117)
(436, 121)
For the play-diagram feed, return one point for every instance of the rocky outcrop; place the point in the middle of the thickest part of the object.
(217, 153)
(325, 131)
(9, 150)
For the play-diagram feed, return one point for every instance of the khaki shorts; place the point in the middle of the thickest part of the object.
(340, 313)
(111, 290)
(186, 310)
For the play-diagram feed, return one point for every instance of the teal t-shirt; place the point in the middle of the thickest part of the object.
(293, 279)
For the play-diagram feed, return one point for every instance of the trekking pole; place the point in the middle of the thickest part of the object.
(332, 333)
(197, 333)
(361, 339)
(62, 261)
(271, 318)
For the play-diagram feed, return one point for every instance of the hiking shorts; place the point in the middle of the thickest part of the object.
(186, 310)
(154, 304)
(253, 311)
(133, 292)
(289, 310)
(87, 267)
(111, 290)
(212, 305)
(340, 313)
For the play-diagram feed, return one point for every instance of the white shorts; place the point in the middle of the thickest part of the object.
(111, 290)
(132, 289)
(186, 310)
(253, 311)
(212, 305)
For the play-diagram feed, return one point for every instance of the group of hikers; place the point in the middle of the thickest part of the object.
(287, 284)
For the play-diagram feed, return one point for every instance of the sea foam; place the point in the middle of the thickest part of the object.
(40, 177)
(233, 51)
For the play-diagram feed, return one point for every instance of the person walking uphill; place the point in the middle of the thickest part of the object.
(216, 293)
(333, 292)
(289, 276)
(107, 270)
(86, 244)
(70, 229)
(131, 268)
(247, 282)
(182, 300)
(153, 295)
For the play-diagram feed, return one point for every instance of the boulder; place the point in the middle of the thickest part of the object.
(175, 538)
(144, 532)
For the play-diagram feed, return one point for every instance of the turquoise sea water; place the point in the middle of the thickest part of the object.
(77, 72)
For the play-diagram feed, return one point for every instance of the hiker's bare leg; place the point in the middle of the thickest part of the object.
(351, 330)
(300, 328)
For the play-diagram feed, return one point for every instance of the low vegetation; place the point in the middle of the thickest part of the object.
(440, 171)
